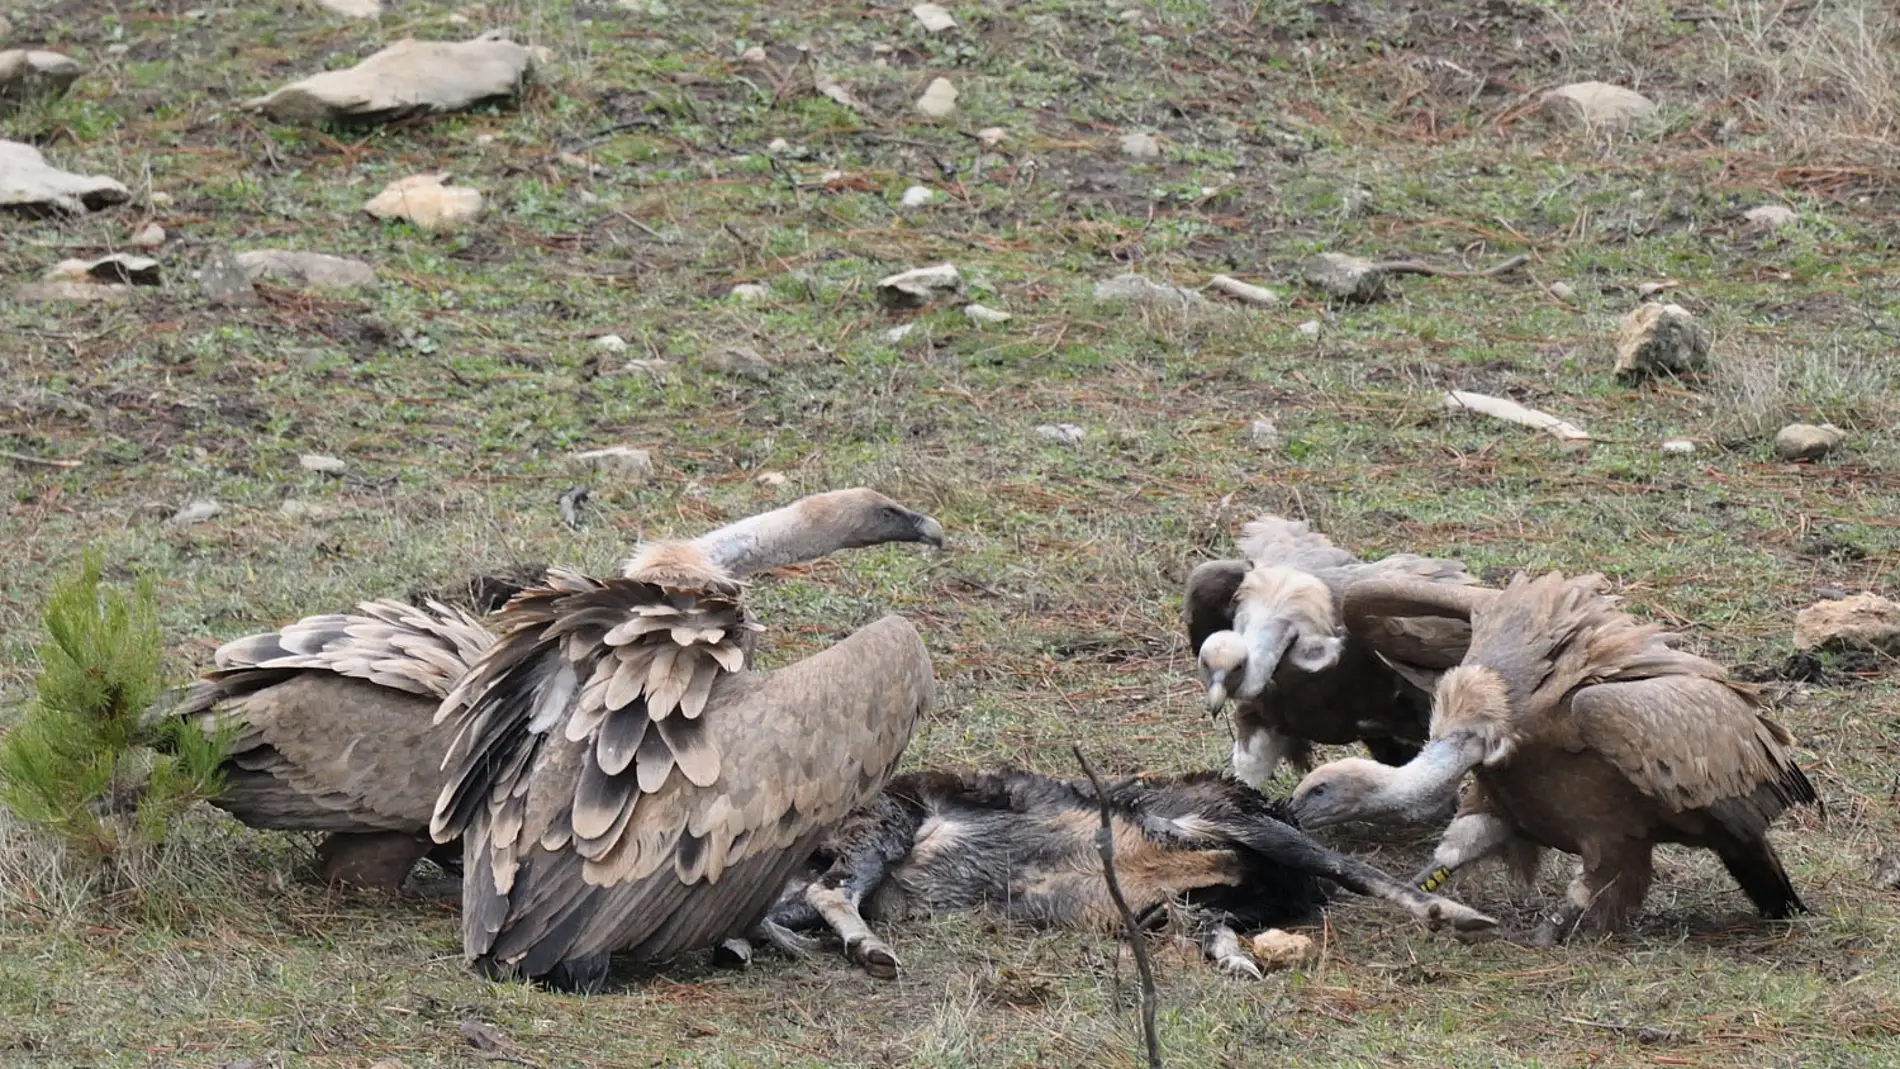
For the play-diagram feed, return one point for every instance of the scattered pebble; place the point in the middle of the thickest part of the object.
(1140, 289)
(778, 146)
(149, 236)
(407, 77)
(1599, 104)
(739, 361)
(918, 287)
(1660, 339)
(1243, 291)
(37, 292)
(35, 75)
(1345, 278)
(196, 512)
(1806, 441)
(422, 199)
(29, 184)
(1275, 948)
(939, 99)
(613, 343)
(749, 292)
(991, 136)
(298, 509)
(934, 18)
(899, 333)
(322, 464)
(1564, 292)
(355, 9)
(1859, 620)
(1065, 434)
(980, 314)
(755, 54)
(118, 269)
(917, 197)
(1141, 146)
(1646, 290)
(773, 479)
(223, 282)
(1678, 446)
(636, 464)
(313, 269)
(1264, 435)
(161, 200)
(1310, 328)
(1770, 216)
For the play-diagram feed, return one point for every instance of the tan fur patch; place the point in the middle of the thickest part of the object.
(1290, 592)
(675, 564)
(1471, 698)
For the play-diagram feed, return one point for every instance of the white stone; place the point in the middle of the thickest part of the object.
(917, 197)
(406, 77)
(1310, 328)
(613, 343)
(1678, 446)
(28, 182)
(1263, 434)
(161, 200)
(1141, 146)
(35, 75)
(1345, 278)
(634, 463)
(991, 136)
(1859, 620)
(355, 9)
(1140, 289)
(119, 268)
(1280, 949)
(322, 464)
(1770, 216)
(1599, 103)
(149, 236)
(939, 99)
(755, 54)
(313, 269)
(773, 479)
(979, 314)
(1564, 292)
(1660, 339)
(919, 286)
(1066, 434)
(899, 333)
(1806, 441)
(1243, 291)
(778, 146)
(750, 293)
(934, 18)
(423, 200)
(196, 512)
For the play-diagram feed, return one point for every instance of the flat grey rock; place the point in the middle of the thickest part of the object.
(224, 283)
(35, 75)
(29, 184)
(315, 270)
(408, 77)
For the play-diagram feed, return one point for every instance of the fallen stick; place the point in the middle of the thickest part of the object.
(45, 461)
(1105, 846)
(1242, 291)
(1419, 267)
(1512, 412)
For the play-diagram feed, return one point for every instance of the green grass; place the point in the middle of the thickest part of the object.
(456, 390)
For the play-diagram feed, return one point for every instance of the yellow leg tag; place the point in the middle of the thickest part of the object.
(1435, 880)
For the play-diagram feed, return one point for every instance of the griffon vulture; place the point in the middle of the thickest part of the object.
(1267, 633)
(1588, 733)
(334, 714)
(623, 782)
(1201, 847)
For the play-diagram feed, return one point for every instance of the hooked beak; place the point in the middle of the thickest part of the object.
(1216, 691)
(929, 531)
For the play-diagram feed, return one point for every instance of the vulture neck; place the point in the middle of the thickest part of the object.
(774, 539)
(1425, 784)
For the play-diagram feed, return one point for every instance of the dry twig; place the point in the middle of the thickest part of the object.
(1105, 846)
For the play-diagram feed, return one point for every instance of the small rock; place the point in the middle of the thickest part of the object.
(314, 269)
(1264, 435)
(297, 509)
(1141, 146)
(1067, 434)
(1311, 328)
(917, 197)
(1678, 446)
(1860, 620)
(161, 200)
(1646, 290)
(196, 512)
(1770, 216)
(1140, 289)
(749, 293)
(118, 269)
(1805, 441)
(409, 76)
(613, 343)
(1280, 949)
(149, 236)
(739, 361)
(1243, 291)
(934, 18)
(1888, 876)
(224, 283)
(38, 292)
(939, 99)
(321, 464)
(1564, 292)
(772, 479)
(836, 90)
(899, 333)
(1599, 103)
(34, 75)
(980, 314)
(778, 146)
(31, 185)
(918, 287)
(1660, 339)
(755, 54)
(1132, 14)
(636, 464)
(1345, 278)
(991, 136)
(422, 199)
(355, 9)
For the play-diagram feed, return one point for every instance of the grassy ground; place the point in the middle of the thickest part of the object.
(630, 188)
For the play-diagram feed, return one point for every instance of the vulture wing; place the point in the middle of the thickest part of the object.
(626, 785)
(1694, 742)
(331, 712)
(1208, 602)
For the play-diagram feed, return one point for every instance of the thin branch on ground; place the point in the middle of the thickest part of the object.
(1105, 846)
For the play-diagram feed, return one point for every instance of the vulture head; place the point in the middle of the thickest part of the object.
(1353, 788)
(811, 528)
(1279, 614)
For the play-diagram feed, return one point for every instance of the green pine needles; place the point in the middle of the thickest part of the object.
(79, 762)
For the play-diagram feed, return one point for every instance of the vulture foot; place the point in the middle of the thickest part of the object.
(1241, 967)
(586, 975)
(370, 859)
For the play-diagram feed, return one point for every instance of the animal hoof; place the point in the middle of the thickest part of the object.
(877, 959)
(1241, 966)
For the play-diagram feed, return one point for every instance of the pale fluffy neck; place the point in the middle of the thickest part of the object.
(1425, 784)
(772, 540)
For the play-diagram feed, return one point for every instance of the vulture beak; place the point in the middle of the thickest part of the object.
(1216, 691)
(929, 531)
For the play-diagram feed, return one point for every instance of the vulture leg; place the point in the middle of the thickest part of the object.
(1471, 837)
(370, 859)
(1612, 885)
(1222, 946)
(1288, 846)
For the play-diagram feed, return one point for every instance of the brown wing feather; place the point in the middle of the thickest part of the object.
(691, 862)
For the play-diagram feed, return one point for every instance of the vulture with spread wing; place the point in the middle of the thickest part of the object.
(1268, 634)
(1588, 733)
(623, 781)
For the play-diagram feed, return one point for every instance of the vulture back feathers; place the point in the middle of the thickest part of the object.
(1588, 732)
(1269, 634)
